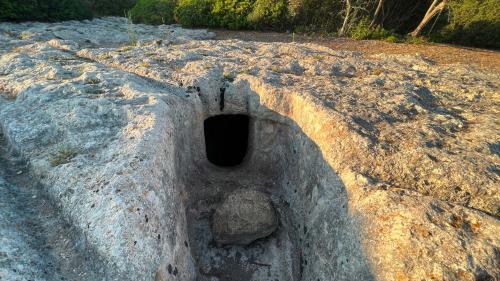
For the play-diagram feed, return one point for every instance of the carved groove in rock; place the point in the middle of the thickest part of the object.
(284, 163)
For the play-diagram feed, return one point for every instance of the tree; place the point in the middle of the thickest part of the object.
(43, 10)
(153, 12)
(378, 11)
(347, 17)
(354, 11)
(110, 7)
(436, 7)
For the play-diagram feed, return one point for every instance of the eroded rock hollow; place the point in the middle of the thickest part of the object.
(263, 218)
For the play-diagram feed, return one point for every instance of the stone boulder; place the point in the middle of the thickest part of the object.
(243, 217)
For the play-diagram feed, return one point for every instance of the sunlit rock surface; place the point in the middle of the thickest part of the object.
(381, 168)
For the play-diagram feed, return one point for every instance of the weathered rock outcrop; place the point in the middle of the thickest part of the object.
(380, 168)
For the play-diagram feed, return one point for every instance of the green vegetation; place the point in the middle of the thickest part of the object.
(316, 15)
(269, 14)
(362, 31)
(466, 22)
(153, 11)
(43, 10)
(231, 14)
(110, 7)
(63, 155)
(131, 31)
(473, 23)
(191, 13)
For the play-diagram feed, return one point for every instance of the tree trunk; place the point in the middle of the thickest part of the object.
(436, 7)
(346, 19)
(379, 9)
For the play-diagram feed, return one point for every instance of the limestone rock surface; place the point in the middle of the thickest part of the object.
(244, 217)
(388, 165)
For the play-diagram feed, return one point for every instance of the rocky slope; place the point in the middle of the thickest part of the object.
(380, 167)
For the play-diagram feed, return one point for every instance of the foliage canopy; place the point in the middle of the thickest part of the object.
(43, 10)
(192, 13)
(473, 23)
(153, 11)
(110, 7)
(466, 22)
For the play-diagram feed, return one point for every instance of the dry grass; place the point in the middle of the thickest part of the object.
(62, 156)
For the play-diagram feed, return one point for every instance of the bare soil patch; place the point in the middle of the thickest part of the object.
(440, 53)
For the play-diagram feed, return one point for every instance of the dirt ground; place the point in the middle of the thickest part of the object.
(440, 53)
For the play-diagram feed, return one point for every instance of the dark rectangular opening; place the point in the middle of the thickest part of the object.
(226, 139)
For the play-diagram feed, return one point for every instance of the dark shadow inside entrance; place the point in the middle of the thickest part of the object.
(226, 139)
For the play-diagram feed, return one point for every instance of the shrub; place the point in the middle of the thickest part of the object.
(194, 13)
(362, 31)
(16, 10)
(63, 155)
(392, 38)
(415, 40)
(43, 10)
(231, 13)
(269, 14)
(110, 7)
(402, 16)
(316, 15)
(473, 23)
(68, 10)
(153, 11)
